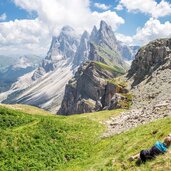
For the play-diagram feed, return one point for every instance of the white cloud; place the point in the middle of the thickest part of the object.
(57, 13)
(119, 7)
(3, 17)
(128, 40)
(35, 35)
(152, 30)
(162, 9)
(102, 6)
(150, 7)
(109, 16)
(23, 36)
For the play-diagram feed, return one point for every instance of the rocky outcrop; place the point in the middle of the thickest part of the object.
(150, 83)
(38, 73)
(91, 90)
(149, 58)
(136, 117)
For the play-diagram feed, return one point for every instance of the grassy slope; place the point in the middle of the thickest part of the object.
(103, 52)
(110, 68)
(35, 142)
(27, 109)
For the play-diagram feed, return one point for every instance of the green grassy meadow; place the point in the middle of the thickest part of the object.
(31, 141)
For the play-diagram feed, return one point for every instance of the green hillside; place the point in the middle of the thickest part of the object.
(113, 68)
(74, 143)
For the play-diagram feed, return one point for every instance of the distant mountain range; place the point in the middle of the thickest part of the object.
(44, 87)
(14, 67)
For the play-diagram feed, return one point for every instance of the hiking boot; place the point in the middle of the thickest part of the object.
(138, 162)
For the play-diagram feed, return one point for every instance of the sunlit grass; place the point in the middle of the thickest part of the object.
(35, 142)
(26, 108)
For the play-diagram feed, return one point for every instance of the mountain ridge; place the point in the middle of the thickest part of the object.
(65, 54)
(14, 70)
(91, 89)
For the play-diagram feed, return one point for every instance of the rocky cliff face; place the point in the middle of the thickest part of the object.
(150, 74)
(90, 90)
(150, 83)
(134, 50)
(93, 33)
(83, 49)
(64, 46)
(152, 57)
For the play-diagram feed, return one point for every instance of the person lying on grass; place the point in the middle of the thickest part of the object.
(157, 149)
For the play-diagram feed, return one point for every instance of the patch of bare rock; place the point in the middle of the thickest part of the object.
(150, 84)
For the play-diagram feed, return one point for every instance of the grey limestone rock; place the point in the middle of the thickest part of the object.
(89, 90)
(149, 58)
(82, 50)
(151, 87)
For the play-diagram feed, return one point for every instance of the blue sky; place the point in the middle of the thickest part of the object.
(132, 21)
(13, 12)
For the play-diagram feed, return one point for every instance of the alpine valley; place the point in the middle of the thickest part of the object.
(85, 85)
(106, 110)
(44, 86)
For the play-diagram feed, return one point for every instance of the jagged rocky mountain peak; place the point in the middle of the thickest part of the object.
(61, 52)
(105, 36)
(67, 28)
(104, 46)
(104, 25)
(82, 50)
(85, 34)
(93, 33)
(64, 46)
(94, 30)
(68, 32)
